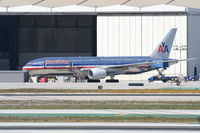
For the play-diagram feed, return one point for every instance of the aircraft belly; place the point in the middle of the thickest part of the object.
(138, 72)
(130, 70)
(49, 71)
(134, 69)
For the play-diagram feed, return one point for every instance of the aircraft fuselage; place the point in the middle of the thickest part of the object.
(65, 65)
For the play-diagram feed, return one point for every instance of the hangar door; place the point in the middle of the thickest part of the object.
(138, 35)
(25, 38)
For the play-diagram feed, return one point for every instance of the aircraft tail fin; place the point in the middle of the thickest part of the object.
(164, 48)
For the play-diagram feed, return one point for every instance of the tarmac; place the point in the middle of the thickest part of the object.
(100, 127)
(101, 97)
(103, 85)
(55, 127)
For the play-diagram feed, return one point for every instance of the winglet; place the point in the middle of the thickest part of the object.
(164, 48)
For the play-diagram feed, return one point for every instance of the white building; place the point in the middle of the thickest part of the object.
(138, 33)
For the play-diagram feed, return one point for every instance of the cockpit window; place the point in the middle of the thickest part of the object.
(35, 64)
(29, 64)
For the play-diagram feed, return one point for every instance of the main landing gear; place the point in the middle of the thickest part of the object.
(112, 80)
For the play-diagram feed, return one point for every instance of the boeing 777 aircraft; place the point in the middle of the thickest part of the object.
(102, 67)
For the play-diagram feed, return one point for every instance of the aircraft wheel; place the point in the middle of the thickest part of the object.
(178, 83)
(112, 81)
(93, 80)
(136, 84)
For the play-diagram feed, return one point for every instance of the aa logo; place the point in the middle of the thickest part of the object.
(163, 48)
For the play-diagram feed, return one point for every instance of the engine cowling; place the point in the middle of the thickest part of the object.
(97, 73)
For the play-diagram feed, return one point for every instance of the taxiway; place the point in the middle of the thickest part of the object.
(98, 127)
(120, 85)
(102, 97)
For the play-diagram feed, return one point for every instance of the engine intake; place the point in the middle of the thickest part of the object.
(97, 73)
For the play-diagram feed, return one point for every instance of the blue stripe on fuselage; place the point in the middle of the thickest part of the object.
(92, 61)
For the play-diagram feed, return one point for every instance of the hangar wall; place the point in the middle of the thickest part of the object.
(193, 42)
(138, 35)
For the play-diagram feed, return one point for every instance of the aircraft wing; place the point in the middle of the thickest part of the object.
(147, 64)
(138, 65)
(130, 66)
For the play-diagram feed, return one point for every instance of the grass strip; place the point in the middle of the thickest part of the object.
(98, 119)
(28, 90)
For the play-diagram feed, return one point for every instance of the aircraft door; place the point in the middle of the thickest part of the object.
(71, 64)
(40, 64)
(44, 64)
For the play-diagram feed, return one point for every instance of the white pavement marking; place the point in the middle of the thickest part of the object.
(81, 124)
(100, 111)
(104, 98)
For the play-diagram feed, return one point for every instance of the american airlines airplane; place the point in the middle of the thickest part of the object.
(96, 68)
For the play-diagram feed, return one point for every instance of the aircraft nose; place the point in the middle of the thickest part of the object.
(24, 68)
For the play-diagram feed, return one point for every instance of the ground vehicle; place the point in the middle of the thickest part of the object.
(165, 79)
(191, 78)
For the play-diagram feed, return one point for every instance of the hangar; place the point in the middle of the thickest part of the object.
(26, 34)
(137, 34)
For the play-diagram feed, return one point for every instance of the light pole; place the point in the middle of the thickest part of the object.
(180, 48)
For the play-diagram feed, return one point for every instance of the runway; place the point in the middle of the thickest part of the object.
(102, 97)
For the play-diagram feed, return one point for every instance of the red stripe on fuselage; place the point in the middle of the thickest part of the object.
(144, 66)
(37, 68)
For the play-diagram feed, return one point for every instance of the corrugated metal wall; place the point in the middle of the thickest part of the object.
(193, 42)
(138, 35)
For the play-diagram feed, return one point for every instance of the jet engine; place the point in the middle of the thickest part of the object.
(97, 73)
